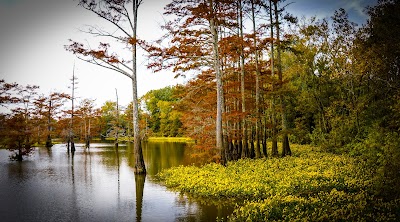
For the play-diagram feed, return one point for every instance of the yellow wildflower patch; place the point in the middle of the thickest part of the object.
(312, 186)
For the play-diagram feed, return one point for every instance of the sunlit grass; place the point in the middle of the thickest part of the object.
(310, 186)
(171, 139)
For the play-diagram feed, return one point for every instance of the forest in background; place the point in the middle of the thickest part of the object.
(259, 75)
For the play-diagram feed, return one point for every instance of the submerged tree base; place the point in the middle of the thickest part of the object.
(311, 186)
(18, 154)
(139, 170)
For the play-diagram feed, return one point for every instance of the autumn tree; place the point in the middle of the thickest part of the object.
(18, 126)
(48, 108)
(87, 113)
(192, 42)
(122, 15)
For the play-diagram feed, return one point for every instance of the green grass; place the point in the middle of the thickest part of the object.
(171, 139)
(310, 186)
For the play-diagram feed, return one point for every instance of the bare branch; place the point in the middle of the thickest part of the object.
(97, 32)
(127, 16)
(114, 68)
(105, 14)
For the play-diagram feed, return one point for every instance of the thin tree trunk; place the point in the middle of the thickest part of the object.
(88, 136)
(218, 74)
(117, 125)
(242, 83)
(258, 120)
(71, 135)
(285, 139)
(48, 141)
(140, 167)
(252, 153)
(273, 114)
(264, 139)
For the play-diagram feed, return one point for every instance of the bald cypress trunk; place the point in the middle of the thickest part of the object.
(140, 167)
(218, 75)
(273, 113)
(285, 139)
(258, 118)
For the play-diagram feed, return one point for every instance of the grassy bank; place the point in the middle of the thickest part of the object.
(311, 186)
(170, 139)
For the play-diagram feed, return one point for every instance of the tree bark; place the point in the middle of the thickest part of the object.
(285, 139)
(140, 167)
(245, 152)
(258, 120)
(218, 75)
(71, 133)
(48, 141)
(273, 114)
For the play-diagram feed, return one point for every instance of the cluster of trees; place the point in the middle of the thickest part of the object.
(260, 74)
(272, 77)
(33, 118)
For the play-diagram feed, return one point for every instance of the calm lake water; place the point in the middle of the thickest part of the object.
(98, 184)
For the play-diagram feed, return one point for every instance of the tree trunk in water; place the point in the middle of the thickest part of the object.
(140, 167)
(87, 138)
(48, 141)
(19, 154)
(72, 145)
(68, 142)
(139, 161)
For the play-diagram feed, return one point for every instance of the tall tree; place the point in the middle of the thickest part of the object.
(48, 108)
(17, 127)
(193, 45)
(218, 76)
(87, 112)
(273, 100)
(285, 125)
(257, 86)
(245, 151)
(116, 13)
(71, 134)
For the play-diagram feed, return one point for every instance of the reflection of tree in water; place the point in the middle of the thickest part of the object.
(74, 211)
(162, 155)
(139, 181)
(204, 209)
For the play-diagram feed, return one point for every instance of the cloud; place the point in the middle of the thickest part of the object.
(357, 7)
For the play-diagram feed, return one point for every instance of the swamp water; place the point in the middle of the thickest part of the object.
(98, 184)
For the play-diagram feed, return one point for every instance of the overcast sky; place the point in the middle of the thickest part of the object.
(33, 34)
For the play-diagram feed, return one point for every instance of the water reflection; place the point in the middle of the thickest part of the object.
(97, 184)
(139, 182)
